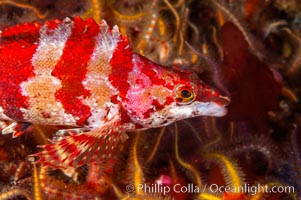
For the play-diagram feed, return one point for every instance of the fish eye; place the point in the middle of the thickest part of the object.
(184, 94)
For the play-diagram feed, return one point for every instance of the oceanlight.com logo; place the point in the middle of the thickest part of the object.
(212, 188)
(251, 189)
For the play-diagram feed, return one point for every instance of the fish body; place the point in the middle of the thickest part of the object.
(82, 74)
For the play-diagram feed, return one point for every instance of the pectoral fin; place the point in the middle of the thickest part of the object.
(14, 128)
(76, 149)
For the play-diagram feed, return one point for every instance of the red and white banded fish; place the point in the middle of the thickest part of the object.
(82, 74)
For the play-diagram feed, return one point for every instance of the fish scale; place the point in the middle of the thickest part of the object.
(82, 74)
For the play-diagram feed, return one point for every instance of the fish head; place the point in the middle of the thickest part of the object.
(191, 97)
(159, 96)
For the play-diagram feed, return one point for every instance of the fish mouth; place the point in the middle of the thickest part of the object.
(214, 108)
(222, 100)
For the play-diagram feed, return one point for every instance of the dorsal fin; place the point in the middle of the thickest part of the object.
(31, 31)
(21, 31)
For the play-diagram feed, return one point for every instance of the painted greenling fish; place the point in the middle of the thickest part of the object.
(82, 74)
